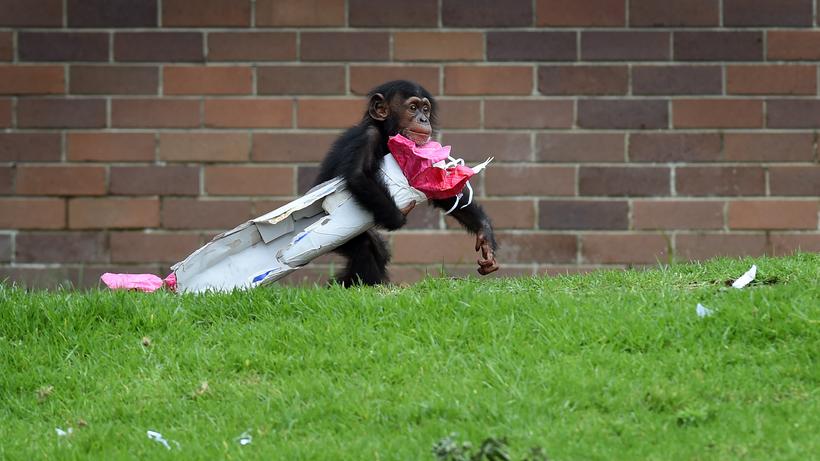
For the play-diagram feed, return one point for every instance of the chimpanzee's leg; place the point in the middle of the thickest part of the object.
(367, 257)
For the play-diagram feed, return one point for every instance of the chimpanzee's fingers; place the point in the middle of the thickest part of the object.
(478, 241)
(488, 270)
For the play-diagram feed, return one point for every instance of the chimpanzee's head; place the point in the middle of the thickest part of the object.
(403, 107)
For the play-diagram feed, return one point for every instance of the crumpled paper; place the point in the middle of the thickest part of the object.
(157, 437)
(746, 278)
(140, 282)
(703, 311)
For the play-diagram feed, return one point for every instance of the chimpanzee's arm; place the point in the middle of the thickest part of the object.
(475, 220)
(363, 182)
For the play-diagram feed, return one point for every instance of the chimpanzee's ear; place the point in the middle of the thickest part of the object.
(378, 109)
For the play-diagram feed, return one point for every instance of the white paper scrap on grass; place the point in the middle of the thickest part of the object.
(746, 278)
(246, 438)
(62, 433)
(157, 437)
(703, 311)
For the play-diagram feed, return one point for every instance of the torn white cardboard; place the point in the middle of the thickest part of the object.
(746, 278)
(272, 246)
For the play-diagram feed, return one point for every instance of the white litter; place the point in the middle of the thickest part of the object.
(746, 278)
(157, 437)
(62, 433)
(246, 438)
(703, 311)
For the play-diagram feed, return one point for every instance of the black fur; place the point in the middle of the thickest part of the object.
(356, 156)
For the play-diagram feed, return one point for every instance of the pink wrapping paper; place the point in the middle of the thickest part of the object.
(416, 163)
(140, 282)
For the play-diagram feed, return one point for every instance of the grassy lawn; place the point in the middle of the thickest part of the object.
(611, 365)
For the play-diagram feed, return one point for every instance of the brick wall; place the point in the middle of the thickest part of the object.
(623, 130)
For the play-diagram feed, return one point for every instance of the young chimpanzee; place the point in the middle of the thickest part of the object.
(394, 107)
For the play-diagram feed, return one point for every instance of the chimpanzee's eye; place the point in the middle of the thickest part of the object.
(426, 109)
(413, 107)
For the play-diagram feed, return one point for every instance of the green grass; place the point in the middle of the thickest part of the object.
(612, 365)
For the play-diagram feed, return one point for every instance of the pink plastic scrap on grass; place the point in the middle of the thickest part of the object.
(140, 282)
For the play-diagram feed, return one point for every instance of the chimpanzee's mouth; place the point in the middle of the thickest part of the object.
(418, 137)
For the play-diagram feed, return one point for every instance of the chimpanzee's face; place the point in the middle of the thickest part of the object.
(414, 118)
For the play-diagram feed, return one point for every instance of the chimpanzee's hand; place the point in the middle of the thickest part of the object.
(406, 210)
(486, 261)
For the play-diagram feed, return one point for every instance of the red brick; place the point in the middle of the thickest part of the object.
(769, 147)
(248, 113)
(114, 213)
(244, 180)
(111, 13)
(137, 247)
(154, 180)
(204, 147)
(31, 79)
(531, 180)
(62, 46)
(301, 80)
(306, 178)
(438, 46)
(206, 13)
(793, 113)
(527, 114)
(536, 247)
(478, 146)
(290, 147)
(720, 181)
(583, 214)
(674, 147)
(393, 13)
(313, 113)
(506, 214)
(6, 46)
(458, 113)
(158, 46)
(786, 180)
(251, 46)
(154, 113)
(44, 13)
(5, 248)
(689, 13)
(717, 113)
(794, 45)
(345, 46)
(579, 147)
(718, 46)
(114, 80)
(486, 13)
(771, 79)
(42, 278)
(531, 46)
(5, 113)
(61, 113)
(654, 80)
(488, 80)
(706, 246)
(425, 217)
(25, 213)
(611, 113)
(651, 214)
(567, 13)
(7, 180)
(30, 147)
(557, 271)
(773, 214)
(207, 80)
(624, 249)
(185, 213)
(632, 46)
(623, 181)
(767, 13)
(786, 244)
(61, 247)
(573, 80)
(309, 13)
(60, 180)
(365, 78)
(110, 147)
